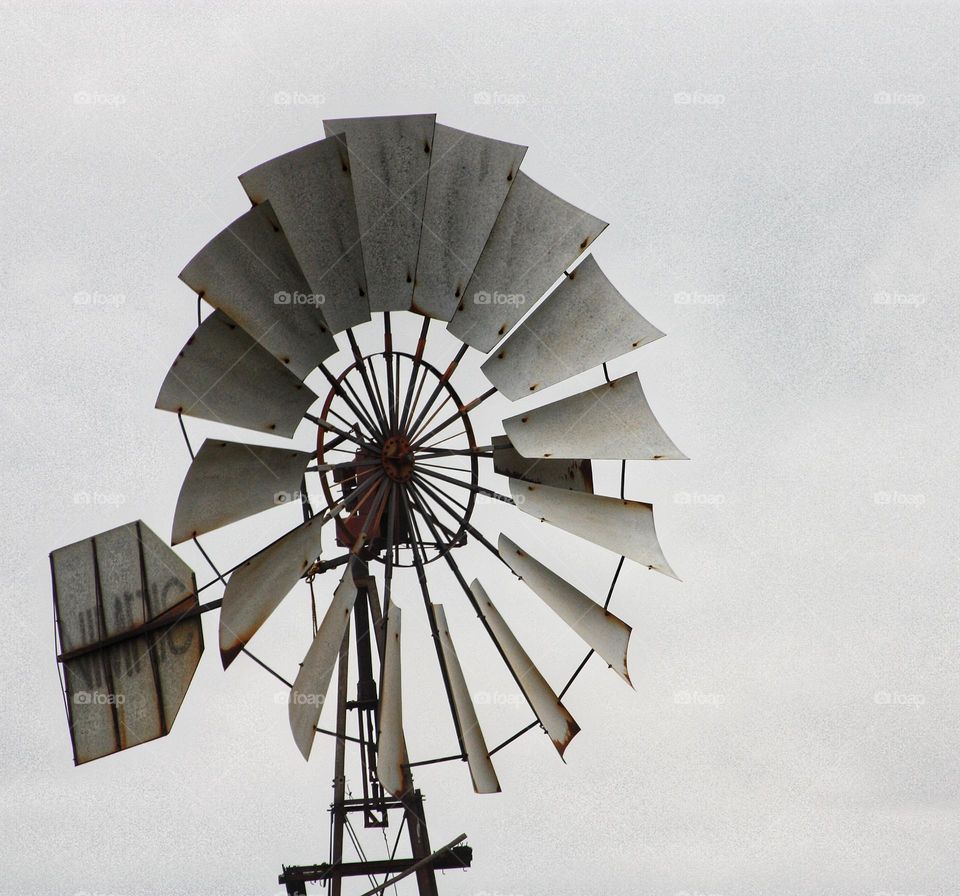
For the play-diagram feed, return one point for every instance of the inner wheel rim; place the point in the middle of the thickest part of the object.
(411, 441)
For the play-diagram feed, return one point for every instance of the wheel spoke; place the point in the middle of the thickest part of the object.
(361, 368)
(444, 379)
(340, 388)
(414, 370)
(460, 412)
(476, 489)
(471, 529)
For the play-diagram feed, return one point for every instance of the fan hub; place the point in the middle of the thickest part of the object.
(397, 458)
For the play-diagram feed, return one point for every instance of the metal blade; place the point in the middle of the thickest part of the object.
(310, 688)
(125, 675)
(93, 729)
(612, 421)
(536, 236)
(469, 179)
(482, 772)
(311, 193)
(624, 527)
(552, 714)
(222, 374)
(249, 272)
(600, 629)
(392, 769)
(255, 589)
(229, 481)
(389, 164)
(572, 474)
(584, 323)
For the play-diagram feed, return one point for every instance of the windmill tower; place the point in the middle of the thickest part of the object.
(384, 217)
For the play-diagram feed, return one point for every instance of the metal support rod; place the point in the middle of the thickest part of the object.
(343, 435)
(425, 861)
(388, 358)
(165, 620)
(338, 815)
(419, 843)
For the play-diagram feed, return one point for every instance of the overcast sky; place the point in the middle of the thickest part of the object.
(783, 192)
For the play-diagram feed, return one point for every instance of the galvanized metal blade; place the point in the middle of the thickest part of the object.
(249, 272)
(537, 235)
(310, 687)
(311, 193)
(229, 481)
(600, 629)
(469, 179)
(389, 164)
(223, 375)
(624, 527)
(551, 713)
(584, 323)
(482, 772)
(392, 762)
(571, 474)
(124, 683)
(612, 421)
(257, 587)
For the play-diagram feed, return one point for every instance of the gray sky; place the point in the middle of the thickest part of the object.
(792, 228)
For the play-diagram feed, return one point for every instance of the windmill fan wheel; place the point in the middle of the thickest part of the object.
(405, 216)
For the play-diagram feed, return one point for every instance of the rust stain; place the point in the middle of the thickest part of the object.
(573, 729)
(229, 654)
